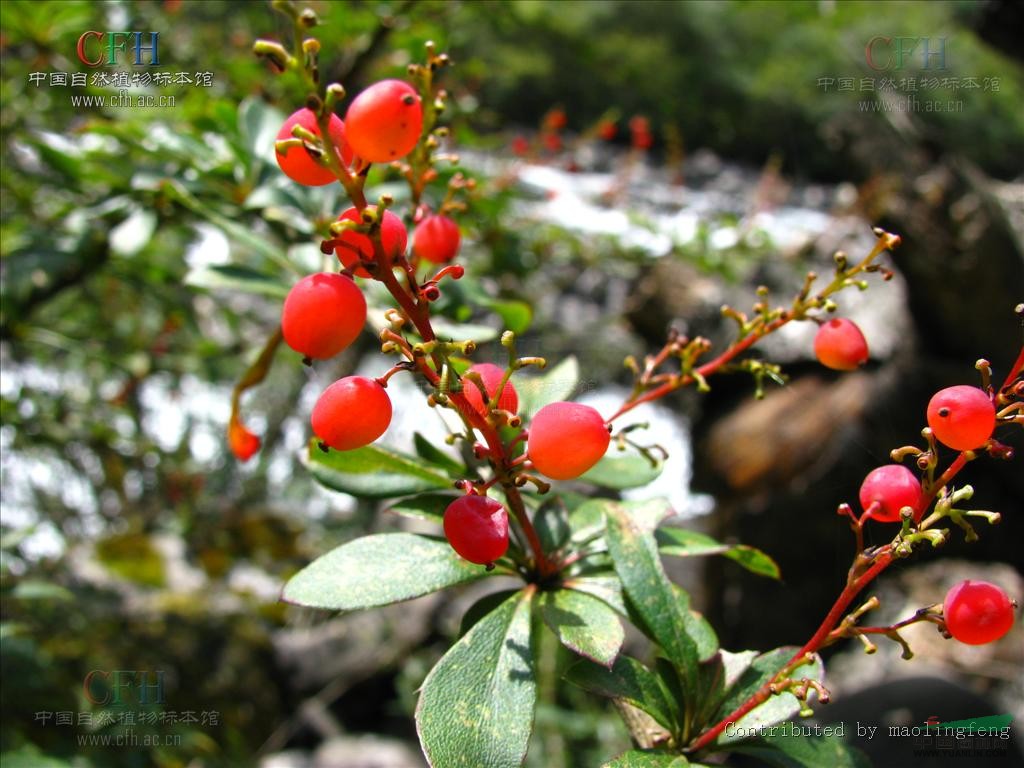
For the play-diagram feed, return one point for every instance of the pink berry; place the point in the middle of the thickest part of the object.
(477, 528)
(977, 612)
(962, 417)
(840, 345)
(893, 487)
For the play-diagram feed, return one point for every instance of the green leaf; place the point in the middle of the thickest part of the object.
(427, 451)
(622, 472)
(551, 522)
(629, 681)
(241, 237)
(557, 384)
(29, 756)
(651, 594)
(516, 315)
(681, 542)
(482, 607)
(643, 758)
(608, 589)
(795, 750)
(775, 709)
(476, 706)
(754, 560)
(587, 521)
(449, 331)
(426, 506)
(258, 124)
(133, 556)
(37, 589)
(583, 624)
(235, 278)
(701, 631)
(378, 570)
(373, 472)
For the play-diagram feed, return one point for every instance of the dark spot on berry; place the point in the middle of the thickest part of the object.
(409, 100)
(943, 412)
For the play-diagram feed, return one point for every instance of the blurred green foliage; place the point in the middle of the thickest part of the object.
(740, 76)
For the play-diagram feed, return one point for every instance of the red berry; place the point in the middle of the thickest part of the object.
(962, 417)
(607, 129)
(297, 163)
(640, 130)
(840, 345)
(492, 376)
(555, 120)
(359, 247)
(520, 146)
(322, 315)
(242, 442)
(977, 612)
(477, 528)
(436, 239)
(351, 413)
(893, 487)
(566, 439)
(385, 121)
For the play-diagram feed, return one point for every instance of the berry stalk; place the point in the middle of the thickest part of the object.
(856, 582)
(752, 331)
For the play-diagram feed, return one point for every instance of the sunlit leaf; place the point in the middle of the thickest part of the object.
(373, 472)
(378, 570)
(476, 705)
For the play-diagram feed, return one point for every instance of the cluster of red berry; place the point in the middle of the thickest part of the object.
(324, 313)
(476, 526)
(960, 417)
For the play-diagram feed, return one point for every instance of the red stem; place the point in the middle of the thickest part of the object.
(418, 313)
(853, 588)
(763, 693)
(708, 368)
(1014, 371)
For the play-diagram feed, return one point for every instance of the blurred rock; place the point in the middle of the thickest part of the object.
(354, 646)
(788, 434)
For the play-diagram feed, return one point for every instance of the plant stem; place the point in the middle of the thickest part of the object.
(833, 617)
(416, 309)
(798, 311)
(1015, 371)
(854, 586)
